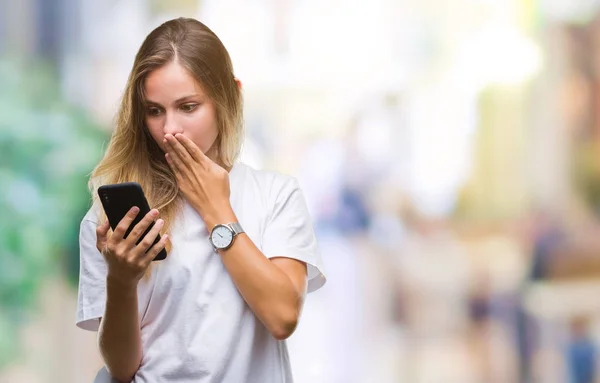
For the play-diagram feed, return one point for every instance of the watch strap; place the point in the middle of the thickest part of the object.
(236, 227)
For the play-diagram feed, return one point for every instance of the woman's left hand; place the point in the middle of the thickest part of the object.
(203, 183)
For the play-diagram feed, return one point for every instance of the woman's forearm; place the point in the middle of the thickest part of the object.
(266, 288)
(119, 336)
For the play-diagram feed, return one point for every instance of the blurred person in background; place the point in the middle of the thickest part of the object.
(581, 351)
(546, 235)
(563, 278)
(431, 261)
(214, 310)
(341, 217)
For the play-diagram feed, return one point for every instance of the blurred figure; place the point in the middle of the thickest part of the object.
(342, 217)
(480, 328)
(546, 237)
(581, 352)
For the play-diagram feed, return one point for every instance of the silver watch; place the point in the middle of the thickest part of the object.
(222, 236)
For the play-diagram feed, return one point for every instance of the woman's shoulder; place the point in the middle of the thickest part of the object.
(267, 180)
(95, 209)
(93, 213)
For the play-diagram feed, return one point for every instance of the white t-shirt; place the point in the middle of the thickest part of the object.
(195, 326)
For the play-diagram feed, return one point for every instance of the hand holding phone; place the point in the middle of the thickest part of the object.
(136, 240)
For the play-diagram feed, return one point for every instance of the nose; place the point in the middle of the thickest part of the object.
(171, 125)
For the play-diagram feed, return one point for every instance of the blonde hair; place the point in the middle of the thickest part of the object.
(132, 154)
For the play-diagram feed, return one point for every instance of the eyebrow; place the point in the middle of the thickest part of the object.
(150, 102)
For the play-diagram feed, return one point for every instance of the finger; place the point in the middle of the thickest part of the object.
(157, 248)
(102, 230)
(178, 151)
(140, 228)
(174, 160)
(124, 224)
(101, 236)
(149, 238)
(174, 168)
(193, 149)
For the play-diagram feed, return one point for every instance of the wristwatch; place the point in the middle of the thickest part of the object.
(222, 236)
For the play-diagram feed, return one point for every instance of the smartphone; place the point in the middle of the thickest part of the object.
(118, 199)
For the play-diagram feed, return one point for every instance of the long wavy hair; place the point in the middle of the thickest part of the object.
(132, 154)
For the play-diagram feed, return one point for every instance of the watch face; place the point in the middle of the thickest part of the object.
(221, 237)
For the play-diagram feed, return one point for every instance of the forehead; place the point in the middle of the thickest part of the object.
(170, 82)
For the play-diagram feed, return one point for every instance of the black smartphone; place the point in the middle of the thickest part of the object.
(118, 199)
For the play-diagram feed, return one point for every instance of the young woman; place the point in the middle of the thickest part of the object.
(242, 249)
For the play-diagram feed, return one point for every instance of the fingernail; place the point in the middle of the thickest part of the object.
(159, 222)
(135, 209)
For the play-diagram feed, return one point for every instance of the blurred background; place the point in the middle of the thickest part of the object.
(449, 152)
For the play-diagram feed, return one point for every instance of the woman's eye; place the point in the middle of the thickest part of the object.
(188, 107)
(153, 112)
